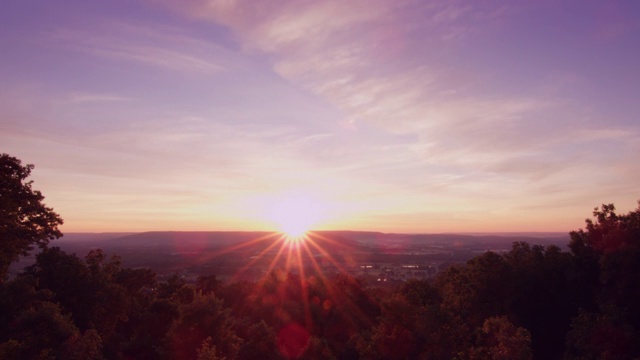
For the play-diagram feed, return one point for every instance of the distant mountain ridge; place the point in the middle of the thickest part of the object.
(210, 239)
(226, 251)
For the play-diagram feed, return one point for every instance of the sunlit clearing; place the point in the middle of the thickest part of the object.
(295, 215)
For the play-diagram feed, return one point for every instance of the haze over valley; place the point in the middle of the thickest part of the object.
(233, 256)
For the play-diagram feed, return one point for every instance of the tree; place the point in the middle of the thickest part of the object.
(208, 351)
(204, 317)
(40, 332)
(260, 343)
(69, 280)
(24, 219)
(208, 284)
(545, 297)
(610, 232)
(499, 339)
(609, 249)
(86, 347)
(482, 288)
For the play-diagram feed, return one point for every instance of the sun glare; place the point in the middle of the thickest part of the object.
(295, 215)
(294, 231)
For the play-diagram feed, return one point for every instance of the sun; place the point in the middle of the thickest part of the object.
(294, 215)
(294, 231)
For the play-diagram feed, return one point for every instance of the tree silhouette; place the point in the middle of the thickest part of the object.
(24, 219)
(609, 248)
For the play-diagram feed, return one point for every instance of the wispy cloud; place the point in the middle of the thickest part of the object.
(79, 98)
(334, 49)
(337, 50)
(164, 47)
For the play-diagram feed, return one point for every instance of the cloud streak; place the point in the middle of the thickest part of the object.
(163, 47)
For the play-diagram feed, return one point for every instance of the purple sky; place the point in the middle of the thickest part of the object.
(391, 115)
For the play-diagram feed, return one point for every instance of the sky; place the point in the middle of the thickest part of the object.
(411, 116)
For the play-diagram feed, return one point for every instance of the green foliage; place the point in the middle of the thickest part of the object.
(420, 292)
(610, 248)
(136, 280)
(499, 339)
(86, 347)
(176, 288)
(482, 288)
(544, 295)
(10, 349)
(318, 348)
(208, 351)
(601, 336)
(203, 317)
(208, 284)
(24, 219)
(146, 329)
(394, 337)
(609, 232)
(260, 343)
(41, 331)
